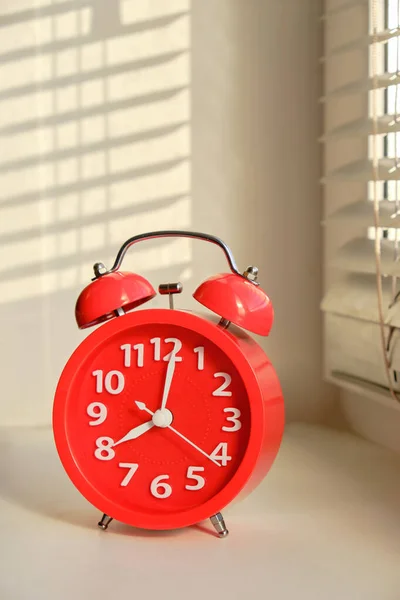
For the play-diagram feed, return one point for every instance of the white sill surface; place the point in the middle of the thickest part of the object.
(324, 525)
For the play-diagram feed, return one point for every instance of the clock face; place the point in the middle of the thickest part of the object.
(155, 421)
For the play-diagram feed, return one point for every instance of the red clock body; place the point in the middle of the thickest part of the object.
(162, 418)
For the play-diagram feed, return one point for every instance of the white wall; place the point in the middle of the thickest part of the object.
(218, 108)
(256, 83)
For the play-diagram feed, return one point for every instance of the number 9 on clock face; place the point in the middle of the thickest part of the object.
(159, 418)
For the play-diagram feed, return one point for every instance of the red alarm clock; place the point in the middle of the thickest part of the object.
(163, 417)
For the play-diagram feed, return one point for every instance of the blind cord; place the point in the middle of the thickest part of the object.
(375, 171)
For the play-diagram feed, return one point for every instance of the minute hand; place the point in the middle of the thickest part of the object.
(142, 406)
(168, 381)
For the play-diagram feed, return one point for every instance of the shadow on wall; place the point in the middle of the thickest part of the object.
(124, 117)
(95, 147)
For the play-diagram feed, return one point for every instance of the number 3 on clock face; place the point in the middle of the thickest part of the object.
(159, 418)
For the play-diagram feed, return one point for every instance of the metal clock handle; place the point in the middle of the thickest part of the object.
(175, 233)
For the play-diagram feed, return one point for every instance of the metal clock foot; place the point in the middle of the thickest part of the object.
(104, 522)
(219, 525)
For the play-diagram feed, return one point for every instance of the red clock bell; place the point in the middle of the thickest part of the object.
(162, 417)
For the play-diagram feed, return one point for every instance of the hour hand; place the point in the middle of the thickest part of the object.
(135, 432)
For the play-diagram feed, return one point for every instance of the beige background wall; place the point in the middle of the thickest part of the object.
(199, 115)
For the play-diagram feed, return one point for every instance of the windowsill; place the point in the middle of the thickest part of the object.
(372, 419)
(324, 524)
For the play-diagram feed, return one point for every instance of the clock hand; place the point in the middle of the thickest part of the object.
(168, 381)
(135, 432)
(142, 406)
(194, 445)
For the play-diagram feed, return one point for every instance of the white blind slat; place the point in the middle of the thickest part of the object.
(362, 170)
(362, 213)
(358, 256)
(363, 127)
(355, 351)
(363, 85)
(355, 297)
(362, 42)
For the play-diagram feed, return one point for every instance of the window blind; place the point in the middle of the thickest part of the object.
(361, 144)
